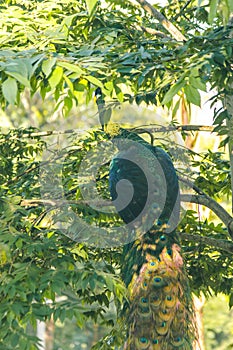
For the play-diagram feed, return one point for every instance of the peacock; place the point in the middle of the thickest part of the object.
(144, 189)
(159, 314)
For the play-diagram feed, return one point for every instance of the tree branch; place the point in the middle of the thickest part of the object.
(162, 19)
(207, 128)
(204, 199)
(152, 31)
(61, 202)
(151, 128)
(210, 203)
(216, 243)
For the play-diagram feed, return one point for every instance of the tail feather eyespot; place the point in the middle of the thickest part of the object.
(155, 299)
(142, 343)
(178, 341)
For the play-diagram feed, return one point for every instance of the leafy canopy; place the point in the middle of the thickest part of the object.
(64, 50)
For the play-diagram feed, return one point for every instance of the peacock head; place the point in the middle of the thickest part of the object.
(119, 135)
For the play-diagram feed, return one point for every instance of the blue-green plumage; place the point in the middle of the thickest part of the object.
(135, 163)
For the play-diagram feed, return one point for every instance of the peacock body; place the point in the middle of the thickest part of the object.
(145, 191)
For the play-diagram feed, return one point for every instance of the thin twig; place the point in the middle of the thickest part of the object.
(62, 201)
(182, 10)
(152, 31)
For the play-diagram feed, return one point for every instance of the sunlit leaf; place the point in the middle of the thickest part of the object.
(90, 5)
(173, 91)
(71, 67)
(47, 66)
(192, 95)
(23, 80)
(94, 81)
(213, 10)
(56, 77)
(9, 90)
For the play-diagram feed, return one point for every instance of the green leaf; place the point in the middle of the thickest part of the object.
(56, 77)
(9, 90)
(23, 80)
(176, 107)
(14, 339)
(69, 83)
(109, 86)
(224, 142)
(94, 81)
(71, 67)
(47, 66)
(120, 96)
(192, 95)
(197, 83)
(22, 66)
(173, 91)
(231, 301)
(221, 117)
(90, 5)
(68, 104)
(213, 10)
(218, 58)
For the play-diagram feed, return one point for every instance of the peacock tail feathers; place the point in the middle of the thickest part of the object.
(159, 314)
(160, 308)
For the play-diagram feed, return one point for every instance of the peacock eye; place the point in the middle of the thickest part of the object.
(162, 238)
(178, 341)
(143, 340)
(168, 297)
(155, 341)
(152, 263)
(157, 279)
(144, 300)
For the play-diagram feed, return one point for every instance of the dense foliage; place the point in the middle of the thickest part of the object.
(63, 50)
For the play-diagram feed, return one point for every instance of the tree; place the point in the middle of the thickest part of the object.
(63, 51)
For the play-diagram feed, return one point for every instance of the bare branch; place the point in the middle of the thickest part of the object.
(60, 202)
(217, 243)
(162, 19)
(151, 128)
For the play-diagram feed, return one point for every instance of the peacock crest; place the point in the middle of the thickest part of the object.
(112, 129)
